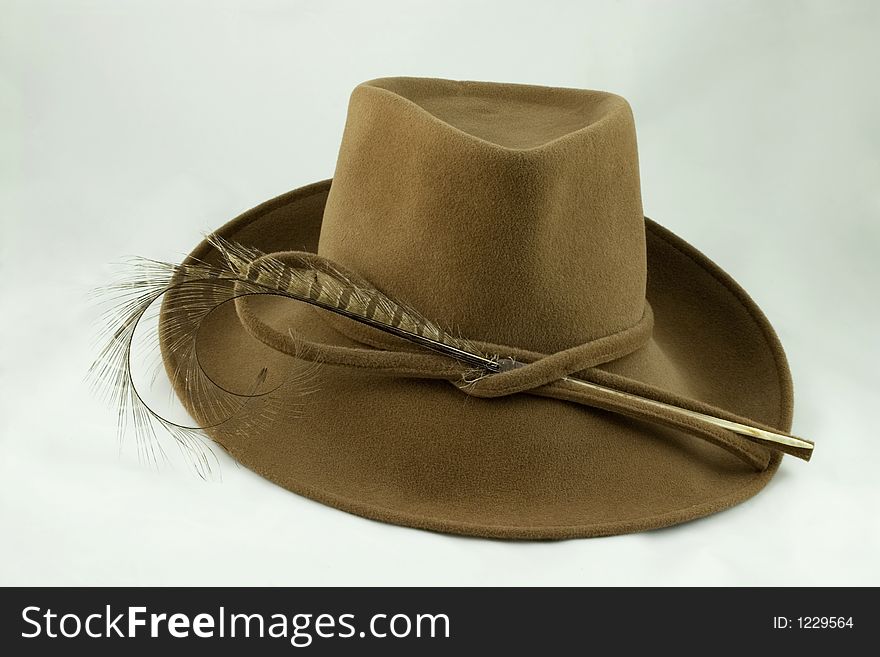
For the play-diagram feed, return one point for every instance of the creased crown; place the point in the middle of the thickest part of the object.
(509, 213)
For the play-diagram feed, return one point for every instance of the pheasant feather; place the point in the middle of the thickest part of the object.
(200, 288)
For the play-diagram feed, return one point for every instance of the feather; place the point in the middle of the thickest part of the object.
(200, 288)
(321, 284)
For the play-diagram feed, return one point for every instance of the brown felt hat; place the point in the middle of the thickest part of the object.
(513, 215)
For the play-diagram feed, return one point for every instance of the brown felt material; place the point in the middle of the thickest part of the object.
(513, 215)
(540, 374)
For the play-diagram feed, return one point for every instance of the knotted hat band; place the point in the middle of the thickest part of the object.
(538, 374)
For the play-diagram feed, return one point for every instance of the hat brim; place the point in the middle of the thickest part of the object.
(421, 453)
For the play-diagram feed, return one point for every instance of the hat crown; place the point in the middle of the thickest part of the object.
(508, 213)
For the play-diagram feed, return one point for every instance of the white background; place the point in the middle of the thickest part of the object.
(132, 127)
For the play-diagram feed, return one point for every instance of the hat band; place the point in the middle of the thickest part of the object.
(540, 374)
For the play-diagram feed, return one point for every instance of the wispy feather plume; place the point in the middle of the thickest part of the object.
(198, 289)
